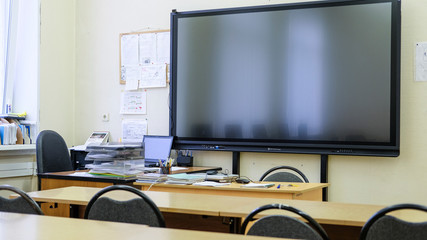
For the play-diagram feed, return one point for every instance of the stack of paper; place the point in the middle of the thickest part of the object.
(151, 178)
(110, 173)
(257, 185)
(111, 159)
(210, 184)
(217, 177)
(184, 178)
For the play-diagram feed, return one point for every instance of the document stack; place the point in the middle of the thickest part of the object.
(151, 178)
(115, 159)
(184, 178)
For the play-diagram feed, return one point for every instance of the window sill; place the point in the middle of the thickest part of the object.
(18, 149)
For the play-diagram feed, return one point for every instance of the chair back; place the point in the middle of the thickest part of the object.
(275, 175)
(52, 153)
(382, 226)
(140, 210)
(284, 226)
(22, 204)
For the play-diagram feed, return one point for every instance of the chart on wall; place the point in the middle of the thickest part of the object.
(144, 59)
(133, 103)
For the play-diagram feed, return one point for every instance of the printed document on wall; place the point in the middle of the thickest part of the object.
(133, 130)
(153, 76)
(163, 47)
(147, 48)
(129, 50)
(133, 103)
(132, 75)
(421, 61)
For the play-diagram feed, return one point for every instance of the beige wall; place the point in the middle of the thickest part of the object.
(80, 75)
(57, 67)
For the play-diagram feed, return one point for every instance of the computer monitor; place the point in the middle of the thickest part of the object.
(156, 147)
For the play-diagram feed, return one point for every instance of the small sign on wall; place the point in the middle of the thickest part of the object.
(421, 61)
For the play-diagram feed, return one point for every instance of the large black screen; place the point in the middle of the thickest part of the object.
(318, 77)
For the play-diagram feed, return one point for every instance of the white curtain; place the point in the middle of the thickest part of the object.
(11, 54)
(5, 6)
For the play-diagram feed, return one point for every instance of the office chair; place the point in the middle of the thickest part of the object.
(22, 204)
(284, 176)
(140, 210)
(284, 226)
(382, 226)
(52, 153)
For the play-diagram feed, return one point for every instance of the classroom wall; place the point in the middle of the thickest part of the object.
(84, 56)
(57, 67)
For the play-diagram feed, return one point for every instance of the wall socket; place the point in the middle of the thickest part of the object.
(105, 117)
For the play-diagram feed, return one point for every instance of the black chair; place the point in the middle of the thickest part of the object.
(22, 204)
(52, 153)
(275, 175)
(382, 226)
(140, 210)
(283, 226)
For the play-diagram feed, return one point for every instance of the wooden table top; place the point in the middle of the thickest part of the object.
(287, 187)
(342, 214)
(167, 202)
(35, 227)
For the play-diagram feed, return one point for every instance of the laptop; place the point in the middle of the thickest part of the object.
(156, 147)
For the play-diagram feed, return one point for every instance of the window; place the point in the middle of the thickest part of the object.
(19, 56)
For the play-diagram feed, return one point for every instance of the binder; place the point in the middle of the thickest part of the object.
(8, 133)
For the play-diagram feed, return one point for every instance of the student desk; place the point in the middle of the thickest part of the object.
(35, 227)
(340, 220)
(298, 191)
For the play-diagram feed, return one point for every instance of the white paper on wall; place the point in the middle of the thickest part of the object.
(421, 61)
(133, 103)
(133, 130)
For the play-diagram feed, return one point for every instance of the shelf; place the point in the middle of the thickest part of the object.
(11, 116)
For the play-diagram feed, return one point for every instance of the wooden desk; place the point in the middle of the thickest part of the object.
(344, 214)
(80, 178)
(199, 204)
(300, 191)
(34, 227)
(83, 179)
(340, 220)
